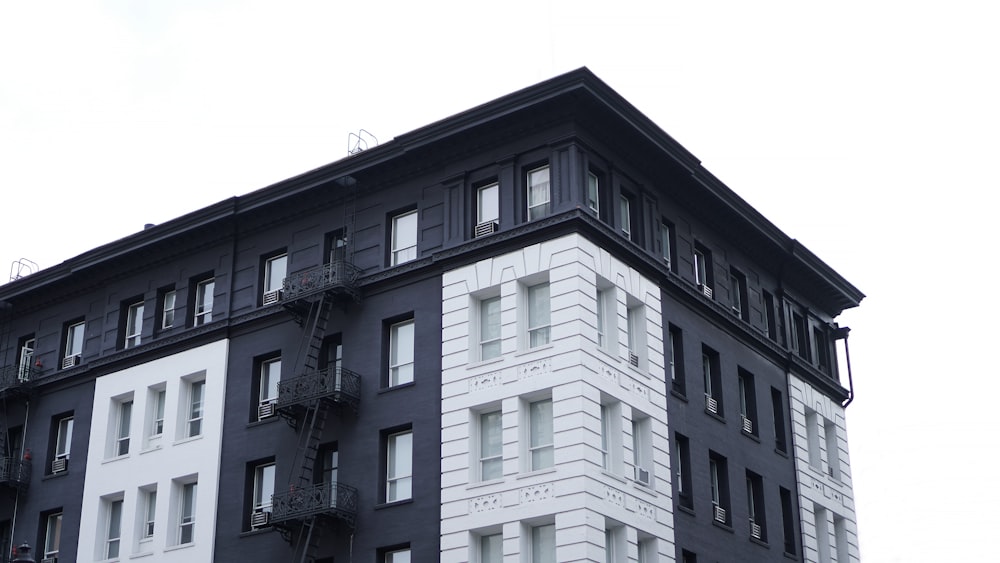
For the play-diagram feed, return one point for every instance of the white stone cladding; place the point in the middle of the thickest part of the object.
(823, 470)
(576, 494)
(165, 463)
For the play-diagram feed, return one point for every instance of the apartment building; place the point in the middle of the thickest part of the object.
(538, 330)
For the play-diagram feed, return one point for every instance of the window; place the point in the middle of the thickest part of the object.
(269, 375)
(594, 193)
(703, 276)
(188, 500)
(543, 544)
(682, 466)
(748, 402)
(611, 435)
(625, 207)
(196, 403)
(667, 244)
(800, 336)
(538, 315)
(642, 448)
(822, 533)
(712, 377)
(275, 270)
(403, 246)
(738, 294)
(615, 542)
(822, 349)
(840, 534)
(788, 516)
(133, 324)
(490, 445)
(605, 315)
(148, 516)
(487, 209)
(636, 331)
(63, 441)
(53, 532)
(675, 350)
(203, 301)
(401, 346)
(26, 353)
(647, 549)
(770, 323)
(755, 506)
(489, 328)
(538, 193)
(263, 487)
(168, 302)
(398, 556)
(814, 425)
(329, 465)
(832, 449)
(399, 466)
(73, 348)
(540, 446)
(123, 427)
(491, 548)
(778, 414)
(112, 543)
(606, 437)
(157, 410)
(719, 480)
(688, 557)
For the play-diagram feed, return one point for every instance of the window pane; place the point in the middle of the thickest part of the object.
(538, 315)
(491, 445)
(593, 200)
(264, 486)
(543, 544)
(540, 414)
(277, 268)
(270, 375)
(491, 549)
(404, 237)
(401, 353)
(538, 193)
(489, 203)
(399, 466)
(489, 328)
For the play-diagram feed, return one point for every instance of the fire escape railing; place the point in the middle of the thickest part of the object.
(15, 472)
(340, 385)
(335, 499)
(337, 276)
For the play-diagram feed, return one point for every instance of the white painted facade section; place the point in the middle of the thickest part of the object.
(161, 457)
(823, 469)
(592, 484)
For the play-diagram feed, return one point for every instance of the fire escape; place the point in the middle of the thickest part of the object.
(307, 508)
(15, 385)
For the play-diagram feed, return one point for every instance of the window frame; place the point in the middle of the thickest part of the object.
(712, 378)
(147, 520)
(593, 194)
(704, 276)
(488, 193)
(393, 474)
(52, 539)
(490, 425)
(187, 512)
(268, 286)
(495, 344)
(541, 435)
(268, 368)
(64, 434)
(25, 355)
(675, 358)
(738, 294)
(74, 335)
(261, 501)
(668, 244)
(195, 407)
(682, 455)
(396, 364)
(536, 538)
(168, 308)
(401, 254)
(113, 528)
(538, 209)
(123, 427)
(133, 324)
(748, 402)
(538, 321)
(204, 301)
(625, 214)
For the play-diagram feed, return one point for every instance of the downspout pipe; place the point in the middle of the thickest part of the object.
(841, 334)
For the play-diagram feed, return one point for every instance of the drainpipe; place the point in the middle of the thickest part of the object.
(841, 334)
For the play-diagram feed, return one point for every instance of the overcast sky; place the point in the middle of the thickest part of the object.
(867, 130)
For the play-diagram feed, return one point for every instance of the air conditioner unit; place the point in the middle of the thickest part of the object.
(747, 425)
(70, 361)
(642, 476)
(265, 410)
(260, 518)
(719, 514)
(272, 297)
(59, 464)
(705, 290)
(633, 358)
(711, 405)
(756, 531)
(486, 228)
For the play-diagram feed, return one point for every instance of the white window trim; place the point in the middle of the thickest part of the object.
(497, 456)
(147, 519)
(133, 324)
(538, 326)
(186, 515)
(626, 216)
(64, 430)
(194, 416)
(272, 282)
(53, 520)
(594, 193)
(393, 453)
(265, 397)
(538, 209)
(169, 307)
(112, 537)
(544, 443)
(74, 340)
(261, 501)
(123, 427)
(204, 301)
(400, 254)
(488, 343)
(398, 374)
(481, 194)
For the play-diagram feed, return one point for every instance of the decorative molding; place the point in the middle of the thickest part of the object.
(533, 369)
(486, 381)
(535, 493)
(645, 510)
(485, 503)
(639, 389)
(609, 373)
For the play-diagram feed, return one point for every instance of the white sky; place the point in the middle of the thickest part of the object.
(867, 130)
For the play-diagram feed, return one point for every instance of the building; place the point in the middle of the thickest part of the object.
(537, 330)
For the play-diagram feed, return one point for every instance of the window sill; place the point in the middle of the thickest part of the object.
(189, 439)
(791, 556)
(614, 476)
(750, 436)
(262, 421)
(527, 351)
(393, 503)
(679, 394)
(686, 509)
(481, 484)
(178, 546)
(716, 416)
(395, 387)
(761, 543)
(55, 475)
(257, 532)
(114, 459)
(646, 489)
(725, 527)
(782, 453)
(480, 363)
(139, 554)
(152, 444)
(537, 472)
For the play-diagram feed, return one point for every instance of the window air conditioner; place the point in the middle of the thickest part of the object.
(707, 291)
(711, 405)
(720, 514)
(59, 464)
(747, 425)
(633, 358)
(755, 530)
(70, 361)
(486, 228)
(272, 297)
(642, 476)
(265, 410)
(260, 518)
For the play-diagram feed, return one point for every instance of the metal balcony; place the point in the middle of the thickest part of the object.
(17, 378)
(339, 385)
(329, 499)
(338, 277)
(15, 472)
